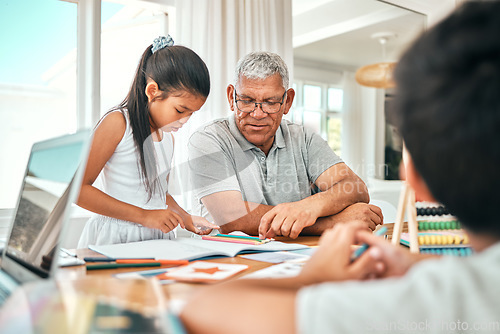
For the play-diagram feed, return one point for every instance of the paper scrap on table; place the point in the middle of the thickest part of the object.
(145, 274)
(282, 270)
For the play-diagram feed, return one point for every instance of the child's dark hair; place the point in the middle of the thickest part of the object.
(173, 68)
(448, 111)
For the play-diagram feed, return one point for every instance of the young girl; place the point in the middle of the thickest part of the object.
(133, 148)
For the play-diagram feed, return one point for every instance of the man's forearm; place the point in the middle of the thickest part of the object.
(339, 196)
(248, 222)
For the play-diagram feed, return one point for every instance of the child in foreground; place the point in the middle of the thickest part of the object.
(133, 146)
(447, 108)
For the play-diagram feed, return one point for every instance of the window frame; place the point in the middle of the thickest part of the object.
(299, 108)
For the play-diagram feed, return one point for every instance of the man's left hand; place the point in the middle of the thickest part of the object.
(287, 219)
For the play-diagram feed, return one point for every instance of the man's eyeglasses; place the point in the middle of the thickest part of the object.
(250, 105)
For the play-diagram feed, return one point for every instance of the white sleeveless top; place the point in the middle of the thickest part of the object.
(122, 179)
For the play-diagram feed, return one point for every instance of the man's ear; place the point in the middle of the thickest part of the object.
(290, 95)
(152, 90)
(230, 96)
(422, 192)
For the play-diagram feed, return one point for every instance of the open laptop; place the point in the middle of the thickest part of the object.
(50, 186)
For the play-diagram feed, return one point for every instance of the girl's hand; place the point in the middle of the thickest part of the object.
(164, 220)
(199, 225)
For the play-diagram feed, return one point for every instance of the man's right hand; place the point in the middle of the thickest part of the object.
(370, 215)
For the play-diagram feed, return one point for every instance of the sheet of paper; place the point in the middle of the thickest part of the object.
(282, 270)
(275, 257)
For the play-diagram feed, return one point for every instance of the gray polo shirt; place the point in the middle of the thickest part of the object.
(221, 159)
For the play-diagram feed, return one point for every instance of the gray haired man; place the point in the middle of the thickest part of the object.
(258, 173)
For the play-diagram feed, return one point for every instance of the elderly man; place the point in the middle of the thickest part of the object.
(260, 174)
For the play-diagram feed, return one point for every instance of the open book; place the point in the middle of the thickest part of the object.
(187, 249)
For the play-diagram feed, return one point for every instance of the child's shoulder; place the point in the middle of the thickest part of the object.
(113, 124)
(115, 118)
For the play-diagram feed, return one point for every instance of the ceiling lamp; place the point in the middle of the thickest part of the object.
(378, 75)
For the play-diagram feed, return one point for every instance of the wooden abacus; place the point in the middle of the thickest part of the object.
(406, 201)
(443, 237)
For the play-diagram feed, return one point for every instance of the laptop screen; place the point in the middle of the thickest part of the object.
(42, 203)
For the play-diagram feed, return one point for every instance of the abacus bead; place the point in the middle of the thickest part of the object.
(447, 225)
(425, 225)
(433, 211)
(440, 211)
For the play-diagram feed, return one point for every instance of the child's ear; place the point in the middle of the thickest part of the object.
(152, 90)
(422, 192)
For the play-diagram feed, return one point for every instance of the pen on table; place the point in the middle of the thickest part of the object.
(357, 253)
(68, 252)
(122, 265)
(110, 259)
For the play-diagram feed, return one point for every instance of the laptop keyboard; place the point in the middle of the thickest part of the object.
(4, 294)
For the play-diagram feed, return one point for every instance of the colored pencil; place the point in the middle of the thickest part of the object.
(241, 237)
(162, 262)
(110, 259)
(357, 253)
(122, 265)
(247, 242)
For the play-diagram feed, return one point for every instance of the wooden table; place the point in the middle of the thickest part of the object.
(176, 290)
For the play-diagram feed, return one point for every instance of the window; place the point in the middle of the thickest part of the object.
(334, 119)
(318, 106)
(126, 31)
(37, 82)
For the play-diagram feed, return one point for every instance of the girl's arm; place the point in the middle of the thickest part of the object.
(106, 138)
(195, 224)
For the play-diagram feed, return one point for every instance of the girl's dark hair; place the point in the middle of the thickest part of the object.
(173, 68)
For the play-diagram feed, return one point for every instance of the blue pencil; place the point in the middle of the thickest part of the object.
(357, 253)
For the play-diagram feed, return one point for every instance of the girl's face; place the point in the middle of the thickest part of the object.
(171, 113)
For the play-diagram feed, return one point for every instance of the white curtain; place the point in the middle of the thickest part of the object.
(221, 32)
(352, 120)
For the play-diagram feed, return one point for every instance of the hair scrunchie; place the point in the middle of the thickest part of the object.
(161, 42)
